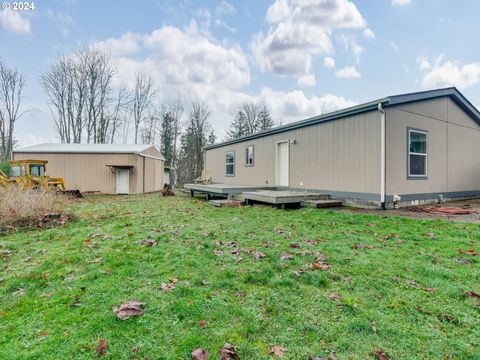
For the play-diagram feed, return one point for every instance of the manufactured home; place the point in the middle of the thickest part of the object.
(408, 149)
(101, 168)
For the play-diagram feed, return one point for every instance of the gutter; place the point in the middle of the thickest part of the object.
(151, 157)
(382, 155)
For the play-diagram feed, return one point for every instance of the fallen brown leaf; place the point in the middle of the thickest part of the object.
(129, 309)
(199, 354)
(228, 352)
(102, 347)
(334, 296)
(277, 350)
(298, 272)
(218, 252)
(170, 285)
(286, 256)
(76, 301)
(202, 324)
(380, 354)
(294, 245)
(148, 242)
(472, 252)
(412, 283)
(472, 294)
(320, 266)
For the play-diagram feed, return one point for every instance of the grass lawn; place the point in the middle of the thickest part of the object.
(381, 282)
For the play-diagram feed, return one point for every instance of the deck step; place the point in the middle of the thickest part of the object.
(225, 203)
(321, 203)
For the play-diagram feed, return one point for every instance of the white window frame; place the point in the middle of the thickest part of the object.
(246, 155)
(231, 163)
(418, 131)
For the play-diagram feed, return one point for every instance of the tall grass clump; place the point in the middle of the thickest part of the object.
(21, 207)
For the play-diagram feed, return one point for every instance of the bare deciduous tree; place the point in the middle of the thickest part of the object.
(79, 89)
(12, 83)
(142, 100)
(98, 70)
(193, 140)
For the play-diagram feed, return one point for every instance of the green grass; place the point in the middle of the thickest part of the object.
(253, 304)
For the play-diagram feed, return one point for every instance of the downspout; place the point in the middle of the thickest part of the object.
(382, 156)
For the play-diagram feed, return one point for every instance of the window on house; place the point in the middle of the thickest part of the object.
(249, 155)
(230, 163)
(417, 153)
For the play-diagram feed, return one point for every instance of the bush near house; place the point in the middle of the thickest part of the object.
(305, 283)
(5, 167)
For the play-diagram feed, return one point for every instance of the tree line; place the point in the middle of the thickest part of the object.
(87, 107)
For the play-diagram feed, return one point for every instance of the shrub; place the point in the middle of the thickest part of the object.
(27, 207)
(5, 167)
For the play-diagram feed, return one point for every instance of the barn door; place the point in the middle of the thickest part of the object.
(282, 164)
(123, 181)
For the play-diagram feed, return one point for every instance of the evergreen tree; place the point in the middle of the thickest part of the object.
(265, 120)
(167, 137)
(250, 119)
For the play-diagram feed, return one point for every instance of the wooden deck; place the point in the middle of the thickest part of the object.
(280, 197)
(223, 190)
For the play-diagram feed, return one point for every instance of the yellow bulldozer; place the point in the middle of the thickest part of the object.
(31, 174)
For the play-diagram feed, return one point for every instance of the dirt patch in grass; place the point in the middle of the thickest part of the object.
(414, 212)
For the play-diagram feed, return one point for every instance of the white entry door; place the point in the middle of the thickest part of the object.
(281, 167)
(123, 181)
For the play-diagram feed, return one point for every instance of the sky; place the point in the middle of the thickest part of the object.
(300, 58)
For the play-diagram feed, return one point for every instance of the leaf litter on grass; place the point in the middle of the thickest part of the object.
(129, 309)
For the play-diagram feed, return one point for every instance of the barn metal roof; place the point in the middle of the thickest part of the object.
(85, 148)
(451, 92)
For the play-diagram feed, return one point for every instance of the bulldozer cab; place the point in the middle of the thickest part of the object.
(29, 168)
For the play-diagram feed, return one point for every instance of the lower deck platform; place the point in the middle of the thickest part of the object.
(280, 197)
(223, 190)
(258, 194)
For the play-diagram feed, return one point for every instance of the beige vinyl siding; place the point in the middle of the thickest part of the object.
(153, 175)
(341, 155)
(453, 147)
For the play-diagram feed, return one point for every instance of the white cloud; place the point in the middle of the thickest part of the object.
(294, 105)
(189, 65)
(63, 21)
(401, 2)
(368, 33)
(348, 72)
(351, 46)
(307, 80)
(423, 63)
(301, 30)
(222, 24)
(225, 8)
(328, 62)
(12, 21)
(394, 46)
(449, 73)
(127, 43)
